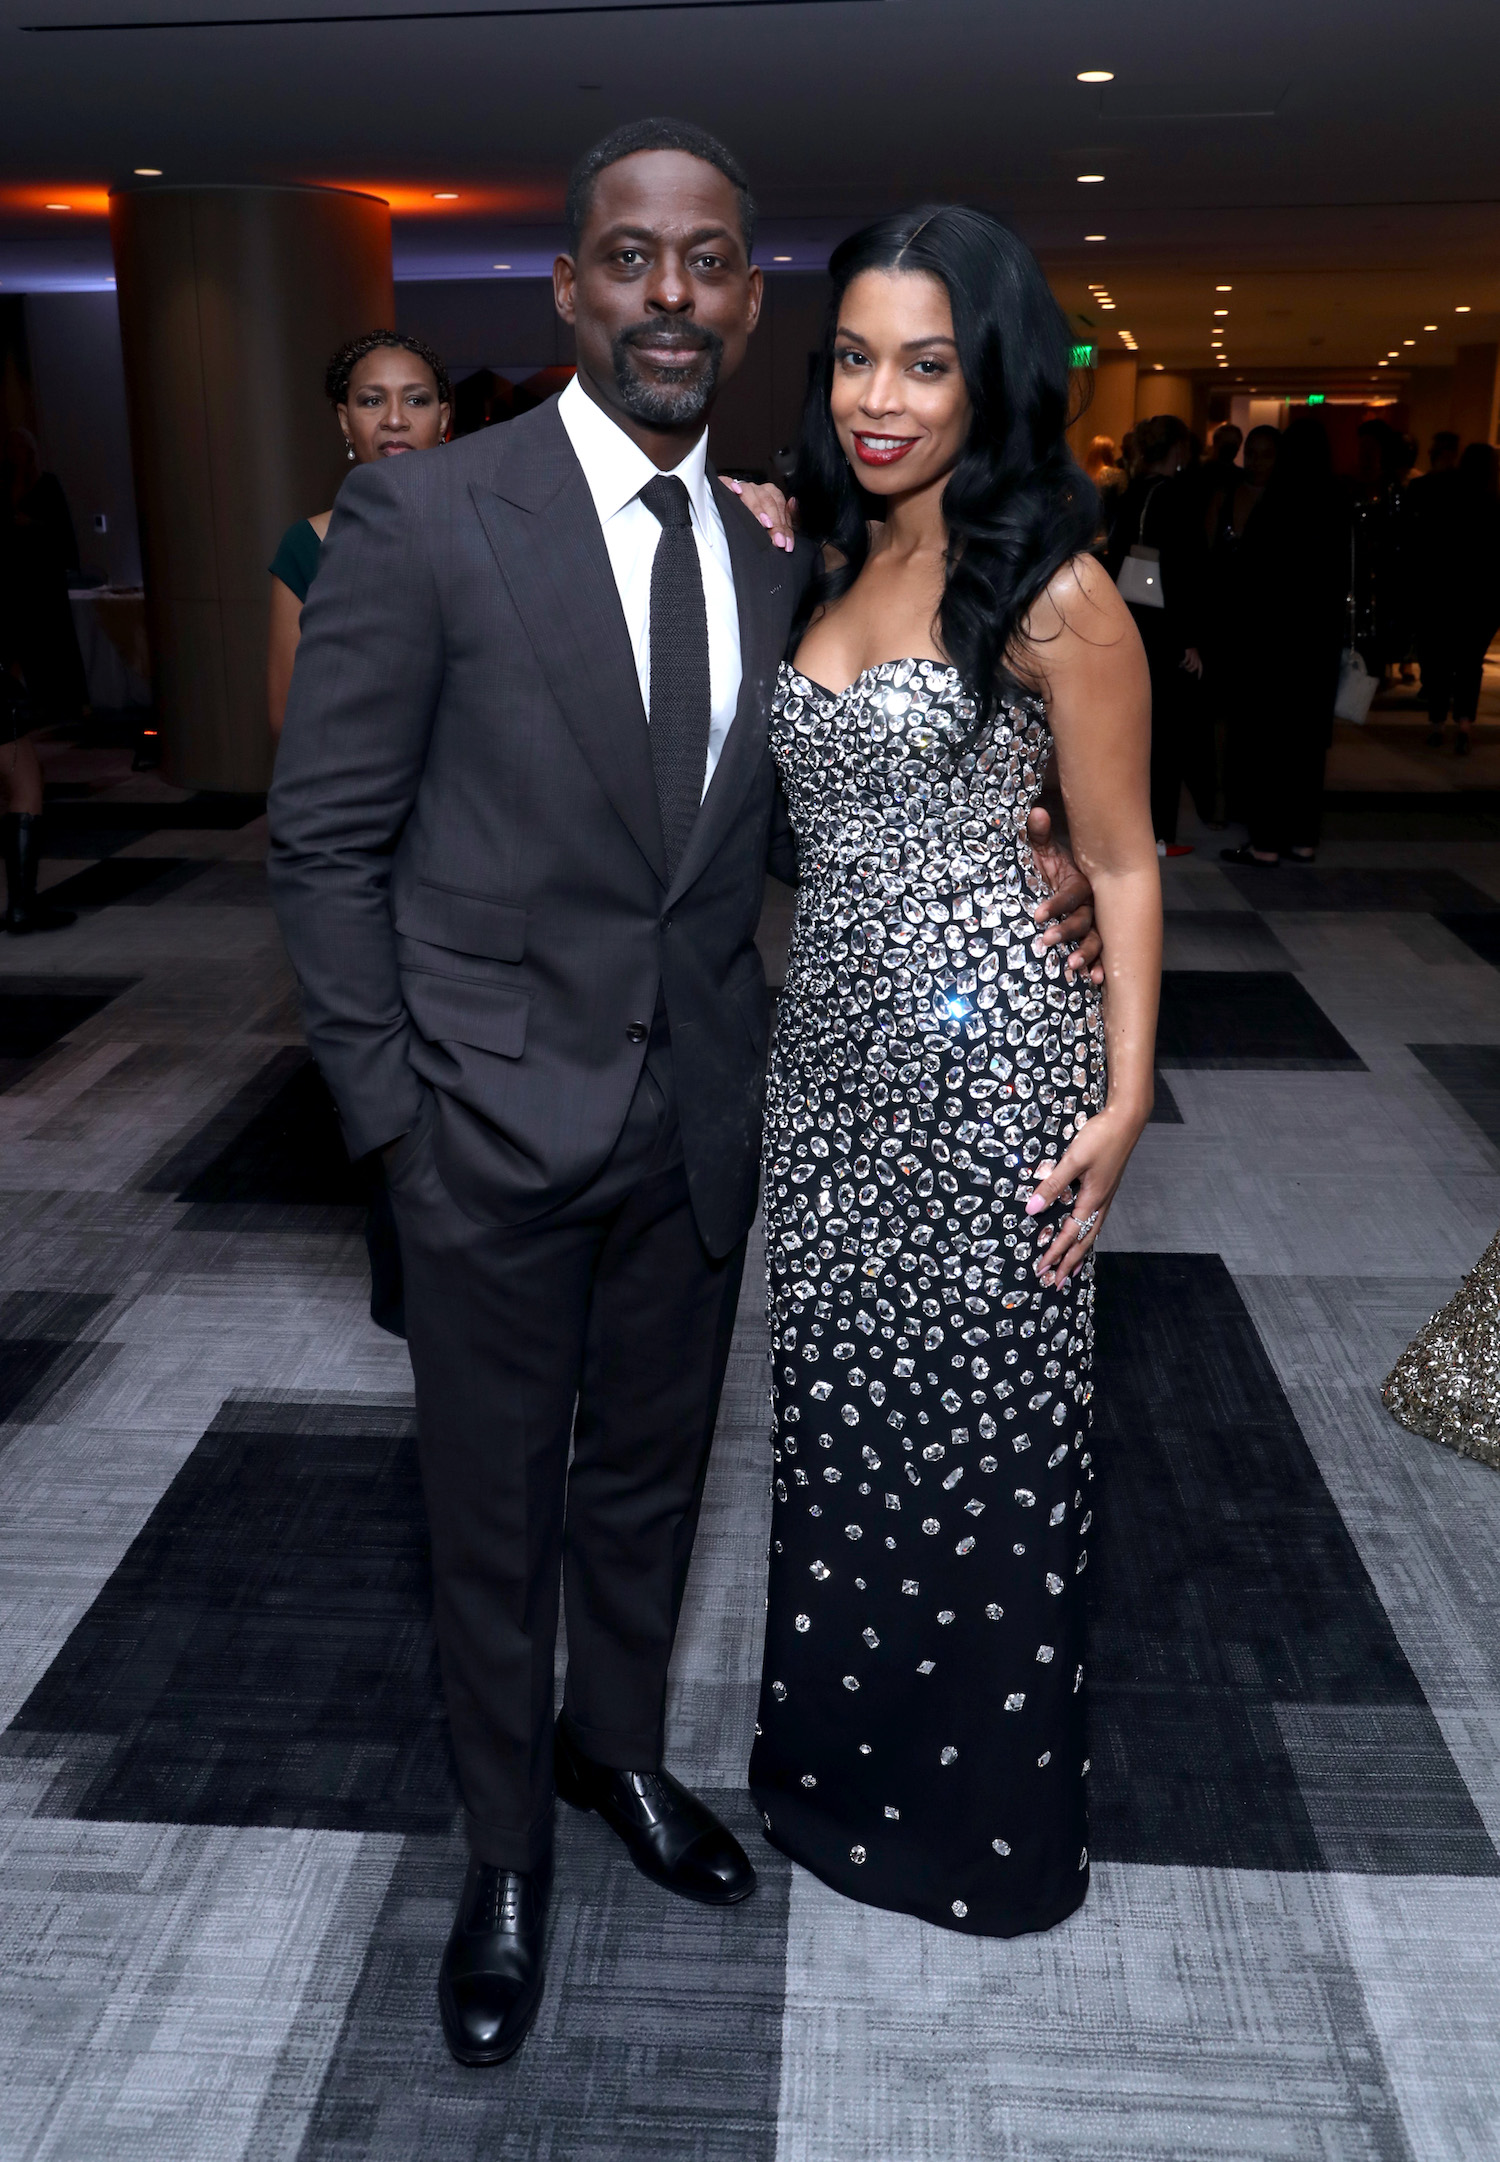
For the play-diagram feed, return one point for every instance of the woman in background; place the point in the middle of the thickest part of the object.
(1159, 510)
(391, 395)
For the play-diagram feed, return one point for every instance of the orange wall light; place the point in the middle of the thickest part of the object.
(87, 202)
(458, 199)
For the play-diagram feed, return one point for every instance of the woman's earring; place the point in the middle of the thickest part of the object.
(350, 449)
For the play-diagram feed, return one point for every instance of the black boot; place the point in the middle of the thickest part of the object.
(23, 859)
(490, 1981)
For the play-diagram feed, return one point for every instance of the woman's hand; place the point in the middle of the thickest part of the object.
(1094, 1166)
(766, 502)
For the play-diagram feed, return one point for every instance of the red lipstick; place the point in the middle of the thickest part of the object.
(882, 449)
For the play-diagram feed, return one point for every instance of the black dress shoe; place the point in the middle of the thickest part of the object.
(672, 1837)
(490, 1981)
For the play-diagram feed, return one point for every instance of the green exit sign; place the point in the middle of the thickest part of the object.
(1082, 356)
(1317, 397)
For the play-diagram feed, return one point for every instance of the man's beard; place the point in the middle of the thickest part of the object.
(678, 397)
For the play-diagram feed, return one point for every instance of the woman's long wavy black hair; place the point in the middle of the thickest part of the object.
(1017, 506)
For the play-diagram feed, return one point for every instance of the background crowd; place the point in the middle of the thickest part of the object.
(1261, 582)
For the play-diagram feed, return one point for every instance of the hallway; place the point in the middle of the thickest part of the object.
(226, 1812)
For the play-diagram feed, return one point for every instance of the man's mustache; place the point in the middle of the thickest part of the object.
(676, 337)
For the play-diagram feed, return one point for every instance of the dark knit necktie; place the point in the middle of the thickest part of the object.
(680, 697)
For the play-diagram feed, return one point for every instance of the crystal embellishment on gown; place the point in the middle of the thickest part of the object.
(930, 1056)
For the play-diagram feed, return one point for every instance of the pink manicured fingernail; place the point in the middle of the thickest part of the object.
(1036, 1204)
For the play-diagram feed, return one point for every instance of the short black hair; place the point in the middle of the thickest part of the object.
(636, 135)
(348, 357)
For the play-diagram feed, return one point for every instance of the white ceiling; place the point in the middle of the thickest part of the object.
(1335, 161)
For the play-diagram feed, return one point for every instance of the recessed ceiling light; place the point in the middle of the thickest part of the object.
(57, 206)
(1429, 326)
(1109, 306)
(1382, 363)
(1464, 310)
(1089, 179)
(1393, 354)
(1096, 236)
(1408, 341)
(1158, 365)
(148, 172)
(499, 266)
(445, 195)
(780, 258)
(1096, 75)
(1221, 311)
(1223, 288)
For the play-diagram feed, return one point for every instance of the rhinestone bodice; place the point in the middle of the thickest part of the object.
(931, 1469)
(881, 788)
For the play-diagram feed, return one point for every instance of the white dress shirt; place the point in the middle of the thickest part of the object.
(616, 470)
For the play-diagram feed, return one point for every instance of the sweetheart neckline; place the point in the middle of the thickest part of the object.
(910, 660)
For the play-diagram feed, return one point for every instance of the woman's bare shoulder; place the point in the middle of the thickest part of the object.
(1080, 605)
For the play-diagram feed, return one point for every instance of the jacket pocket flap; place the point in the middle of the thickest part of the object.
(463, 922)
(449, 1010)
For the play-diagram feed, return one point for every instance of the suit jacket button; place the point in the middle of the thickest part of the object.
(636, 1031)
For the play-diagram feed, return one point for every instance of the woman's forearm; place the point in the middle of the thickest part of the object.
(1127, 905)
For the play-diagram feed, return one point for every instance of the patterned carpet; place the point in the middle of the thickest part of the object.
(227, 1815)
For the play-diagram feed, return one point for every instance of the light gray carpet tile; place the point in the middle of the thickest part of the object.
(1181, 2014)
(1426, 1952)
(151, 1977)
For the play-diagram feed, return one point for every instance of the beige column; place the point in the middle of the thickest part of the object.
(1111, 406)
(1164, 393)
(1476, 376)
(231, 302)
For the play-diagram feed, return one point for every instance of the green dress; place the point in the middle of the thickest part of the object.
(295, 562)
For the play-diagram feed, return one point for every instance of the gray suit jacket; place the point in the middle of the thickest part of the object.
(466, 856)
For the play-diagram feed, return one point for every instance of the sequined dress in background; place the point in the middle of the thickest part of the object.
(920, 1742)
(1446, 1384)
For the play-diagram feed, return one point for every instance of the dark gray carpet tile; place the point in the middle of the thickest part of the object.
(263, 1654)
(1164, 1110)
(1364, 1775)
(41, 1346)
(659, 2038)
(1228, 1589)
(139, 880)
(1249, 1020)
(1470, 1072)
(209, 811)
(37, 1012)
(1478, 928)
(1292, 888)
(276, 1145)
(1222, 938)
(1467, 814)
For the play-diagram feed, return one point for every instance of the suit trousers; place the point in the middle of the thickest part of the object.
(605, 1324)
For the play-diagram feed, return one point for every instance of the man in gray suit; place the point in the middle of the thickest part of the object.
(522, 815)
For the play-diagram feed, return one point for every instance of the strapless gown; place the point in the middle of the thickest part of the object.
(920, 1739)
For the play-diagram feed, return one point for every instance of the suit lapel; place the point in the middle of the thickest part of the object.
(759, 570)
(540, 521)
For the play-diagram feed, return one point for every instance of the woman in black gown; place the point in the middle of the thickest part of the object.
(940, 1146)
